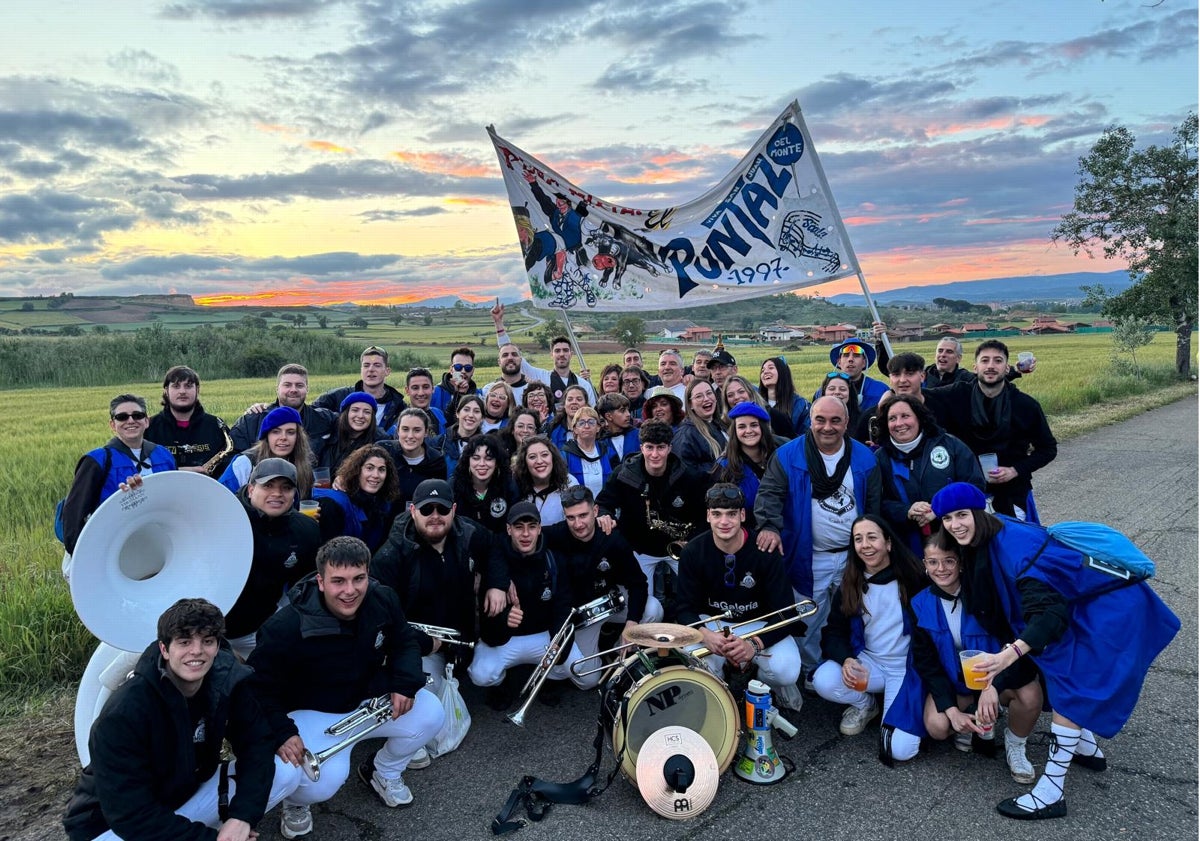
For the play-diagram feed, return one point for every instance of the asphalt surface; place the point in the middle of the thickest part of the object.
(1139, 476)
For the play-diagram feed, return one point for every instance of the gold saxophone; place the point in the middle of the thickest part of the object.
(211, 464)
(678, 532)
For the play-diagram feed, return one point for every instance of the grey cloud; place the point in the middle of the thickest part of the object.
(639, 77)
(845, 92)
(141, 64)
(47, 129)
(335, 263)
(45, 215)
(237, 10)
(397, 215)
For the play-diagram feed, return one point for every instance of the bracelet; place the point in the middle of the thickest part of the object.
(757, 645)
(1015, 649)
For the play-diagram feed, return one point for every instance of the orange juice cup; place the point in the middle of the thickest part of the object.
(310, 508)
(862, 674)
(974, 679)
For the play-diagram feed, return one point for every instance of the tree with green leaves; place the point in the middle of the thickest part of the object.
(1140, 206)
(629, 331)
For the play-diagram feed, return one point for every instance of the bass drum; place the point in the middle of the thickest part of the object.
(650, 691)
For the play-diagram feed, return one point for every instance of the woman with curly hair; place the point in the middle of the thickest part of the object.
(362, 501)
(482, 483)
(537, 396)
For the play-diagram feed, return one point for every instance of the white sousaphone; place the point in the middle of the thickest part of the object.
(180, 535)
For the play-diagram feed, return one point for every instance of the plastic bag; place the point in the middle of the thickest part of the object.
(458, 718)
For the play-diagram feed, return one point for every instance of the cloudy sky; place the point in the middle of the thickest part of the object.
(315, 151)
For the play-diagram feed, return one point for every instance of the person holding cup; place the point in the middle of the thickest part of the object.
(866, 638)
(943, 694)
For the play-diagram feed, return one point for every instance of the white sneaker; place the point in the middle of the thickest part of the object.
(393, 793)
(1018, 764)
(421, 759)
(855, 720)
(295, 820)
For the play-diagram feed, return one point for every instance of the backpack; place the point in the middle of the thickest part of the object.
(1106, 549)
(59, 529)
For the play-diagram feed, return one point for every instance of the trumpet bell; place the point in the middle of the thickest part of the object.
(179, 535)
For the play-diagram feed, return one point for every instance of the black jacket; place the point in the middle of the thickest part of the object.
(309, 659)
(543, 589)
(285, 550)
(318, 425)
(435, 589)
(146, 762)
(678, 497)
(204, 442)
(595, 567)
(433, 467)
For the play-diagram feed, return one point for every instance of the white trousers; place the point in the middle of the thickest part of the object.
(491, 663)
(588, 639)
(886, 679)
(778, 666)
(201, 807)
(405, 736)
(649, 563)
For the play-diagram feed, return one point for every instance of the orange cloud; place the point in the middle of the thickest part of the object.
(994, 124)
(307, 293)
(475, 201)
(326, 146)
(272, 128)
(443, 164)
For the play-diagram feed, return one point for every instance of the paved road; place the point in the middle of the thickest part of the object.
(1139, 476)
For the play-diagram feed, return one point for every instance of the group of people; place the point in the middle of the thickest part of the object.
(495, 510)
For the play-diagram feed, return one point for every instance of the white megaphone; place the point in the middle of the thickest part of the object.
(758, 762)
(180, 535)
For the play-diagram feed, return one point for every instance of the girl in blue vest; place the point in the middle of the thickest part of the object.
(1092, 634)
(362, 501)
(866, 640)
(590, 459)
(934, 700)
(101, 472)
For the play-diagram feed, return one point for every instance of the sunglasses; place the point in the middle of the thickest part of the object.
(841, 375)
(576, 494)
(428, 508)
(730, 570)
(723, 494)
(121, 417)
(459, 366)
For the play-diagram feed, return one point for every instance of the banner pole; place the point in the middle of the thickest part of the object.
(574, 341)
(837, 215)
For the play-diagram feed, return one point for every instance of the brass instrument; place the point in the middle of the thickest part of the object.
(532, 686)
(678, 532)
(446, 636)
(377, 711)
(804, 608)
(602, 654)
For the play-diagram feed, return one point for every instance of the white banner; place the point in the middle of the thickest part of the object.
(769, 226)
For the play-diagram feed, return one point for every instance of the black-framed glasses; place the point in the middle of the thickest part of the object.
(731, 571)
(841, 375)
(121, 417)
(725, 495)
(428, 508)
(463, 366)
(576, 494)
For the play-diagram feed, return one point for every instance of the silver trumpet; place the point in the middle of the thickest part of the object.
(532, 686)
(376, 711)
(600, 655)
(446, 636)
(804, 608)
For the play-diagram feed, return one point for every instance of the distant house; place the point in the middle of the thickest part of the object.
(1047, 328)
(697, 334)
(584, 330)
(836, 333)
(668, 329)
(906, 330)
(781, 333)
(975, 327)
(944, 328)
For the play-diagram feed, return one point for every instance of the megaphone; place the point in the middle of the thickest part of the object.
(180, 535)
(758, 762)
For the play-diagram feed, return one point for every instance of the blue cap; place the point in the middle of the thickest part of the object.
(358, 397)
(749, 407)
(956, 497)
(278, 417)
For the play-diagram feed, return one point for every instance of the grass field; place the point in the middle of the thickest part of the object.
(43, 645)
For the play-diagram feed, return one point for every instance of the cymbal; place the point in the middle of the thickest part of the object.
(661, 635)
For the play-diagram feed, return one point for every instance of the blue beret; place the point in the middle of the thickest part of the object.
(957, 496)
(358, 397)
(278, 417)
(749, 407)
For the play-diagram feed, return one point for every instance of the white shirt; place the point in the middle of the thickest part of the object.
(833, 516)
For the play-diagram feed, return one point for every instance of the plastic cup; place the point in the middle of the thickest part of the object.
(862, 676)
(310, 508)
(321, 478)
(987, 463)
(1024, 361)
(974, 680)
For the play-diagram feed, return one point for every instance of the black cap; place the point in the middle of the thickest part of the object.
(433, 490)
(273, 468)
(524, 511)
(722, 357)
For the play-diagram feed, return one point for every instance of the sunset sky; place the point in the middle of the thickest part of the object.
(319, 151)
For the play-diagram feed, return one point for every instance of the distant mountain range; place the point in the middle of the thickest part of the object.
(1003, 290)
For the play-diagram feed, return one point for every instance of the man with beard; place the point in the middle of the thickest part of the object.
(198, 441)
(527, 603)
(510, 370)
(598, 563)
(342, 639)
(811, 493)
(291, 390)
(559, 377)
(374, 370)
(992, 417)
(431, 559)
